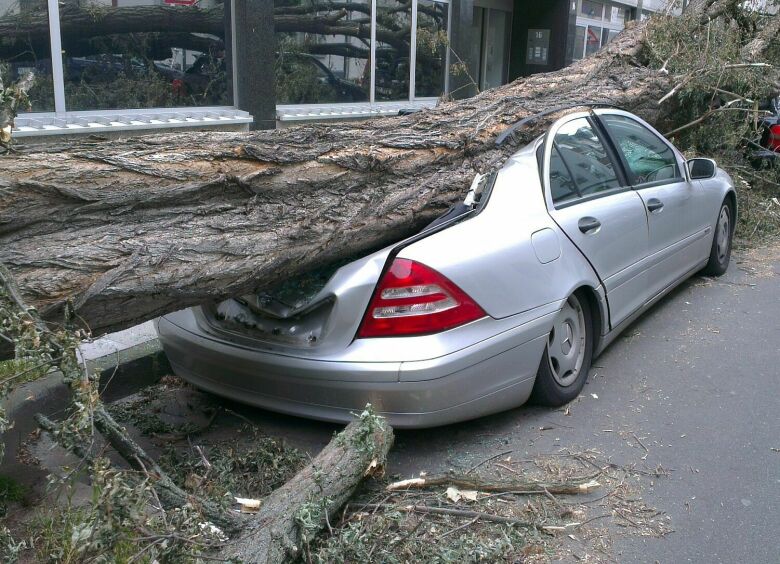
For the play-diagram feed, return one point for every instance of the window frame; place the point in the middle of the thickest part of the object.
(683, 170)
(617, 164)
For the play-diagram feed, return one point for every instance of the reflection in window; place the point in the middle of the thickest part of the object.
(584, 159)
(649, 159)
(431, 48)
(592, 9)
(593, 42)
(579, 42)
(618, 14)
(25, 48)
(141, 54)
(322, 53)
(562, 185)
(393, 37)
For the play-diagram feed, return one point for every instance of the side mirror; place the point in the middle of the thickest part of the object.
(701, 169)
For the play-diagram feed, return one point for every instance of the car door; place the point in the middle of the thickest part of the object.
(675, 212)
(589, 200)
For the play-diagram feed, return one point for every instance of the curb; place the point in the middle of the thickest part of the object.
(121, 374)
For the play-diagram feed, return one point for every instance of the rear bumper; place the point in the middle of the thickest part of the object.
(491, 376)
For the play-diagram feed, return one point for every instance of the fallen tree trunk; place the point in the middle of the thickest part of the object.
(130, 229)
(291, 515)
(294, 513)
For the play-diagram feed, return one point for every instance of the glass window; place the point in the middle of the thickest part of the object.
(393, 38)
(585, 167)
(322, 55)
(431, 48)
(142, 54)
(466, 66)
(592, 9)
(562, 185)
(25, 48)
(579, 42)
(604, 36)
(612, 35)
(593, 42)
(618, 14)
(649, 159)
(495, 50)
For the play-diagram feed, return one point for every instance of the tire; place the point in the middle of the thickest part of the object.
(720, 253)
(562, 373)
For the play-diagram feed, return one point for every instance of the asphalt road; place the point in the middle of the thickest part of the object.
(696, 379)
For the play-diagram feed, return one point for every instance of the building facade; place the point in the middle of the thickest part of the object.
(150, 64)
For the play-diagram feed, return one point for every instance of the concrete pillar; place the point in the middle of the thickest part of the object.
(254, 54)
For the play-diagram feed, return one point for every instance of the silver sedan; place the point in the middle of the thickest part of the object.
(508, 297)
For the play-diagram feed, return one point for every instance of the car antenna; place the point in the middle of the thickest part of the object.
(509, 131)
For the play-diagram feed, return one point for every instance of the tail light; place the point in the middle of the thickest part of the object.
(413, 299)
(774, 138)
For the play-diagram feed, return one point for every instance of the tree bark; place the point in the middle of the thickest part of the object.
(305, 504)
(768, 35)
(314, 495)
(131, 229)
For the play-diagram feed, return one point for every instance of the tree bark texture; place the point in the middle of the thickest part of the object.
(130, 229)
(313, 496)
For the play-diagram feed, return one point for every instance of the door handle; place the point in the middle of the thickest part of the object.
(588, 224)
(654, 205)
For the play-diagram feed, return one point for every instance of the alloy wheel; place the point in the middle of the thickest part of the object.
(724, 230)
(566, 343)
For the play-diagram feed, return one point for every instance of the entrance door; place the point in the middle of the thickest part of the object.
(495, 48)
(489, 57)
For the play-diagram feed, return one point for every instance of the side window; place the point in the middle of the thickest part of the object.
(579, 164)
(561, 183)
(649, 159)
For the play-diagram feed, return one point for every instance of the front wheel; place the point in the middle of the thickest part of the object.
(720, 252)
(566, 360)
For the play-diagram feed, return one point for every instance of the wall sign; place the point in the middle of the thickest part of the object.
(538, 47)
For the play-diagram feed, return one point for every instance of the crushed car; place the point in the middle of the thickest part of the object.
(508, 297)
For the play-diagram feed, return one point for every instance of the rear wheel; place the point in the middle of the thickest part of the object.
(567, 355)
(720, 253)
